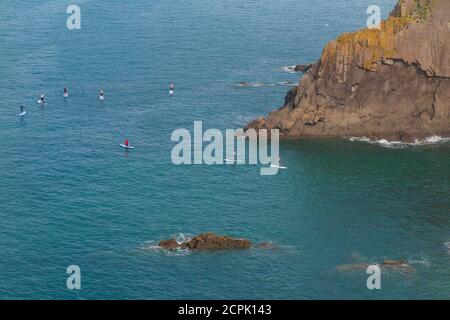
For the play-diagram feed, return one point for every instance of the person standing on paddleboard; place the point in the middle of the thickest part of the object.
(21, 109)
(126, 143)
(66, 93)
(279, 162)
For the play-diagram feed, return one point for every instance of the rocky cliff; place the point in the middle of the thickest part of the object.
(392, 82)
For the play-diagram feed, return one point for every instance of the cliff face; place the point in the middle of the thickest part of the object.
(392, 82)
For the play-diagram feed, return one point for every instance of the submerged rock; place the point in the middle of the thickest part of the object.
(207, 241)
(390, 83)
(265, 245)
(387, 263)
(352, 267)
(395, 263)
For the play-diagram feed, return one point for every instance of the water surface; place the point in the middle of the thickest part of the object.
(70, 195)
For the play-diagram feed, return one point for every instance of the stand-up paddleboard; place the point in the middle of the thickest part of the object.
(277, 166)
(22, 114)
(40, 101)
(171, 92)
(101, 98)
(233, 161)
(126, 147)
(65, 95)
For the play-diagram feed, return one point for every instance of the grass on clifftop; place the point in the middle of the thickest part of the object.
(423, 9)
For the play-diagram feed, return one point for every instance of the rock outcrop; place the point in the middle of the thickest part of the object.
(391, 83)
(302, 67)
(207, 241)
(170, 244)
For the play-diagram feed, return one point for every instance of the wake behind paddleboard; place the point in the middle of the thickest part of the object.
(278, 167)
(126, 147)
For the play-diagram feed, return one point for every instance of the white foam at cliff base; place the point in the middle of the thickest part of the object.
(251, 84)
(289, 69)
(285, 83)
(399, 144)
(262, 84)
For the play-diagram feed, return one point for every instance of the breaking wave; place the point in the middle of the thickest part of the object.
(399, 144)
(289, 69)
(420, 261)
(245, 84)
(250, 84)
(152, 245)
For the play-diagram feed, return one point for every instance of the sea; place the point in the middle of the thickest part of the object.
(71, 196)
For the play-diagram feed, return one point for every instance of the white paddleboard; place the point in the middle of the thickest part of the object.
(171, 92)
(22, 114)
(101, 98)
(233, 161)
(126, 147)
(278, 167)
(39, 101)
(65, 95)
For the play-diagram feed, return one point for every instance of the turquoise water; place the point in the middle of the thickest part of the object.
(69, 195)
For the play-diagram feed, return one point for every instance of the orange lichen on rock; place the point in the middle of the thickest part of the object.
(367, 46)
